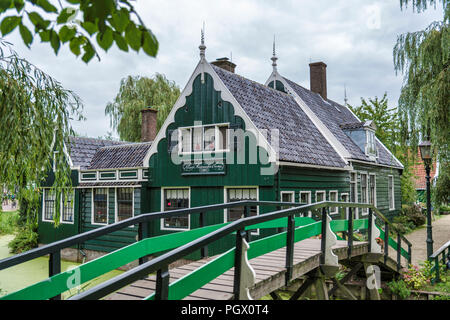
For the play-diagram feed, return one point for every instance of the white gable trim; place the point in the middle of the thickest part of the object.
(202, 67)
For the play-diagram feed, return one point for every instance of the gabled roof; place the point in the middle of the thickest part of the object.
(91, 153)
(336, 116)
(299, 140)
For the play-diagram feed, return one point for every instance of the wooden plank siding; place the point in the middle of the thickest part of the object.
(116, 239)
(381, 180)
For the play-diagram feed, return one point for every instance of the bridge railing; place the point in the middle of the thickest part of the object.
(444, 253)
(240, 227)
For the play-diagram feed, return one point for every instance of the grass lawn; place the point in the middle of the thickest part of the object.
(8, 222)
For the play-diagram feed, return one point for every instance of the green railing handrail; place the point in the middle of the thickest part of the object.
(160, 264)
(435, 258)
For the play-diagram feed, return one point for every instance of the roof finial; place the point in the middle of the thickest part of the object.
(202, 46)
(345, 95)
(274, 57)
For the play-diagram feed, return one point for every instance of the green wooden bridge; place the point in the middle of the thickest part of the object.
(302, 253)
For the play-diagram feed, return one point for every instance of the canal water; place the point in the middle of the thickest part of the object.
(25, 274)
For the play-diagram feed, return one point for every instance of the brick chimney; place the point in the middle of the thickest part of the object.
(224, 63)
(148, 130)
(318, 78)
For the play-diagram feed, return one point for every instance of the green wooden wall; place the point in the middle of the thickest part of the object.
(381, 180)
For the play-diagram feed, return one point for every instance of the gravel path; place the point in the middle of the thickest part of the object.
(441, 234)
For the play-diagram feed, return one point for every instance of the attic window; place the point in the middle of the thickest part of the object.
(371, 149)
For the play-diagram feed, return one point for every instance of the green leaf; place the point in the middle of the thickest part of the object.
(18, 4)
(120, 41)
(65, 14)
(66, 33)
(54, 41)
(45, 35)
(47, 6)
(90, 27)
(75, 44)
(120, 20)
(89, 52)
(5, 5)
(150, 44)
(38, 21)
(27, 36)
(9, 24)
(133, 36)
(105, 39)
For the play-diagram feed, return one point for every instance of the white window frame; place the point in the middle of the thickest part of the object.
(337, 199)
(287, 192)
(116, 204)
(73, 209)
(162, 227)
(45, 190)
(324, 195)
(225, 193)
(347, 194)
(107, 207)
(391, 193)
(202, 127)
(364, 211)
(374, 188)
(355, 182)
(61, 208)
(309, 199)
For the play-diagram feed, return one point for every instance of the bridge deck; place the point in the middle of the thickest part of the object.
(269, 269)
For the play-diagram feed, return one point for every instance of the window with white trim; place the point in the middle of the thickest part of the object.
(333, 196)
(100, 206)
(49, 204)
(305, 198)
(391, 193)
(68, 206)
(207, 138)
(173, 199)
(287, 196)
(364, 192)
(320, 196)
(371, 148)
(372, 190)
(353, 189)
(345, 198)
(124, 199)
(239, 194)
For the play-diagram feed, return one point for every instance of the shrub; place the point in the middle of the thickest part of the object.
(416, 278)
(26, 239)
(399, 288)
(413, 214)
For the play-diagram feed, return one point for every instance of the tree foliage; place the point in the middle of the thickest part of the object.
(424, 59)
(388, 131)
(385, 119)
(75, 22)
(35, 113)
(135, 94)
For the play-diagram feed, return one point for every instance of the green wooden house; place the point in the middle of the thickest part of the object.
(228, 138)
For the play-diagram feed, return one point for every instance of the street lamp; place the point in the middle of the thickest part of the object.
(425, 153)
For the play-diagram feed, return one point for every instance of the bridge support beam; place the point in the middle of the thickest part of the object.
(339, 284)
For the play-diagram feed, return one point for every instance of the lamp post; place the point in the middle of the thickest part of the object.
(425, 153)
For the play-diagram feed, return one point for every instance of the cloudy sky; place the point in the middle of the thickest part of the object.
(354, 38)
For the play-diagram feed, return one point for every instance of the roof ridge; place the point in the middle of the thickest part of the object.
(253, 81)
(127, 145)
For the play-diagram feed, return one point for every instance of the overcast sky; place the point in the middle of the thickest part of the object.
(354, 38)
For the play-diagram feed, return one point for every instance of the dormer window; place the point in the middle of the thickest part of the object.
(363, 134)
(371, 148)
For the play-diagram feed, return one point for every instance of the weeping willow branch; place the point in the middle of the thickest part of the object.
(35, 113)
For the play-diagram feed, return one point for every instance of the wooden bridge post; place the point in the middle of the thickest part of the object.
(143, 233)
(162, 284)
(54, 267)
(386, 242)
(290, 248)
(350, 233)
(203, 250)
